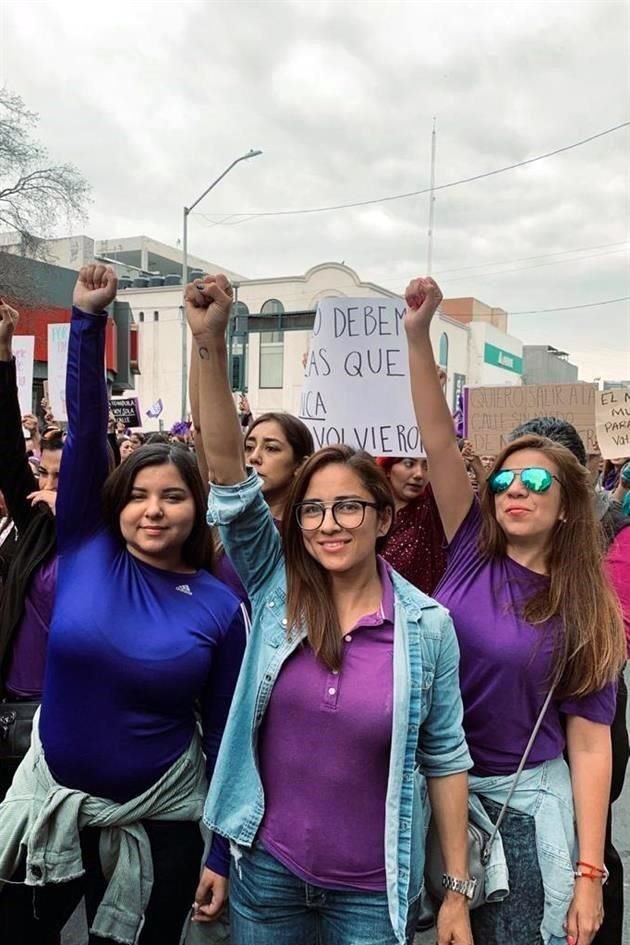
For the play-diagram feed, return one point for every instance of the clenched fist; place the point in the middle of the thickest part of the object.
(8, 323)
(423, 297)
(208, 305)
(95, 289)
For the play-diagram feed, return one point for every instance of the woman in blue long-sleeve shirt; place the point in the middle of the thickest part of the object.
(143, 642)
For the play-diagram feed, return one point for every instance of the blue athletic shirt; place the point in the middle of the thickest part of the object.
(134, 650)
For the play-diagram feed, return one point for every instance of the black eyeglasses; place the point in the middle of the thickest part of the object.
(347, 513)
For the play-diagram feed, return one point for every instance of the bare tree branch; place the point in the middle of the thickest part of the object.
(34, 194)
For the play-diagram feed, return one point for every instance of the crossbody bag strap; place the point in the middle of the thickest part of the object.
(530, 744)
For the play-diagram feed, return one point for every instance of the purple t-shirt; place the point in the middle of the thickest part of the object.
(505, 661)
(324, 758)
(25, 673)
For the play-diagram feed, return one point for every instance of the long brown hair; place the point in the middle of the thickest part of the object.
(309, 596)
(590, 647)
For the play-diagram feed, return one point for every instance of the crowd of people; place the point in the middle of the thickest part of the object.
(257, 678)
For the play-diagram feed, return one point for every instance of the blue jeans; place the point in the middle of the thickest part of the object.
(271, 906)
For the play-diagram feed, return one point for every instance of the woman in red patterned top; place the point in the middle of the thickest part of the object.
(415, 544)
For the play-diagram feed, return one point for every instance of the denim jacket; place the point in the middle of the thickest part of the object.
(42, 819)
(427, 735)
(544, 793)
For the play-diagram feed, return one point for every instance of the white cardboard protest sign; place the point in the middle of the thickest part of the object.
(24, 353)
(612, 422)
(58, 338)
(356, 378)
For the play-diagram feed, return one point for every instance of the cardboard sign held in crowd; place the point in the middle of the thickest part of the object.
(58, 338)
(612, 416)
(24, 352)
(356, 378)
(491, 413)
(127, 410)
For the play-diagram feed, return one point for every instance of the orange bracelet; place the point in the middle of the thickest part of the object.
(595, 872)
(589, 866)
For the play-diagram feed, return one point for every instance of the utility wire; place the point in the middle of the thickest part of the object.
(388, 283)
(561, 252)
(416, 193)
(570, 308)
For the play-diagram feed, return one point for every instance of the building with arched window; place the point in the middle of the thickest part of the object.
(268, 362)
(470, 338)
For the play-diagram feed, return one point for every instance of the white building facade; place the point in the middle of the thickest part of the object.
(273, 372)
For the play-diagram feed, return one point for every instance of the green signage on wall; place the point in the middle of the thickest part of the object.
(502, 359)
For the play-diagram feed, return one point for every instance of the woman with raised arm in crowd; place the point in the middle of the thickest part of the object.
(29, 564)
(610, 518)
(533, 612)
(347, 697)
(276, 444)
(143, 643)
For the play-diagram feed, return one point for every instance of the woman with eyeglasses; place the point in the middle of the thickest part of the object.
(532, 611)
(347, 698)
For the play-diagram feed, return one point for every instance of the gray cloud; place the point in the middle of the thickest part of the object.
(340, 96)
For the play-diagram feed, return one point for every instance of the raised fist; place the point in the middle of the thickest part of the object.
(8, 323)
(423, 297)
(95, 289)
(208, 305)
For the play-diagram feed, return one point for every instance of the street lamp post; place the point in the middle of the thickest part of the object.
(187, 212)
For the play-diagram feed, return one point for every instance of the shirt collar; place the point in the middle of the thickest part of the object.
(387, 601)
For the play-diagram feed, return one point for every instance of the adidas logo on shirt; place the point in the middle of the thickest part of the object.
(184, 589)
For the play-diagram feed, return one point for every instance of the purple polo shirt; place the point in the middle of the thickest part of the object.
(505, 661)
(25, 673)
(324, 750)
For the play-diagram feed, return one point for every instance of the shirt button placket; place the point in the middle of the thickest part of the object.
(331, 695)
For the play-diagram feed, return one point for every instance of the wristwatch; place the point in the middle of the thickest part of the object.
(466, 887)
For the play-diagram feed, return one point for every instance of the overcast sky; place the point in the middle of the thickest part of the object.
(151, 100)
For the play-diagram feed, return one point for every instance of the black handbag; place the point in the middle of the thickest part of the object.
(16, 725)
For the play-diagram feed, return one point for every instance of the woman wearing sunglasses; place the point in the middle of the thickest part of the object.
(347, 698)
(532, 611)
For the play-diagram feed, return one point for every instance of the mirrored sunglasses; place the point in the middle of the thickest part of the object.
(534, 478)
